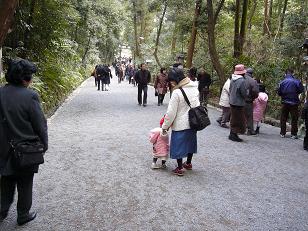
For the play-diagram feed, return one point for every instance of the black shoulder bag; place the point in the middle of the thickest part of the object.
(197, 116)
(26, 153)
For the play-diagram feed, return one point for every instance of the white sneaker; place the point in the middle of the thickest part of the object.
(155, 166)
(294, 137)
(282, 136)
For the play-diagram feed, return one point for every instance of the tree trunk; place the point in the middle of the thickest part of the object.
(29, 23)
(7, 10)
(283, 15)
(158, 34)
(211, 41)
(270, 16)
(174, 39)
(137, 51)
(265, 22)
(191, 47)
(243, 26)
(237, 52)
(86, 51)
(252, 13)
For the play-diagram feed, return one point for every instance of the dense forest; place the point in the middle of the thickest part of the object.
(66, 38)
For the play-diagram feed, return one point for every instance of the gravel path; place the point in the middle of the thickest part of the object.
(97, 173)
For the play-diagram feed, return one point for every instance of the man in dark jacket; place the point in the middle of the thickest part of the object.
(238, 94)
(289, 90)
(205, 81)
(252, 93)
(142, 77)
(21, 119)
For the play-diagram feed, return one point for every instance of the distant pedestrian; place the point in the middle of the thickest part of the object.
(289, 90)
(252, 93)
(94, 75)
(130, 72)
(192, 74)
(183, 141)
(224, 102)
(160, 143)
(143, 78)
(259, 107)
(238, 96)
(205, 81)
(161, 85)
(24, 121)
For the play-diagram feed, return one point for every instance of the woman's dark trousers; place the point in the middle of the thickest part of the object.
(24, 185)
(161, 98)
(143, 88)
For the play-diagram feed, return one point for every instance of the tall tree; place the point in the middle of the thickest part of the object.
(212, 20)
(161, 20)
(237, 52)
(191, 47)
(243, 26)
(7, 10)
(137, 49)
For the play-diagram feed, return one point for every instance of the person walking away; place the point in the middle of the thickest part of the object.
(143, 77)
(160, 143)
(192, 74)
(161, 85)
(24, 121)
(100, 73)
(106, 77)
(225, 105)
(289, 90)
(183, 141)
(252, 93)
(94, 75)
(205, 81)
(259, 106)
(238, 96)
(130, 73)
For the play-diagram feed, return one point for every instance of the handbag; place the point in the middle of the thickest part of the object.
(156, 92)
(25, 153)
(197, 116)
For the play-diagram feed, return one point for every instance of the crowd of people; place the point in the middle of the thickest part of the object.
(243, 101)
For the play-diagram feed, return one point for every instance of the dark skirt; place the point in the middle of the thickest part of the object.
(238, 119)
(183, 143)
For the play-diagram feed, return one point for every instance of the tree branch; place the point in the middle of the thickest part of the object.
(220, 5)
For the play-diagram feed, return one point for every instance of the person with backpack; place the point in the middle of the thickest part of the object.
(205, 81)
(252, 93)
(289, 90)
(183, 141)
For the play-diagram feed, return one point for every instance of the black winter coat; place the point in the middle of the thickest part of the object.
(143, 77)
(26, 121)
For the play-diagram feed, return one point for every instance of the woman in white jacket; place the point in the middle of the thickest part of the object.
(225, 104)
(183, 139)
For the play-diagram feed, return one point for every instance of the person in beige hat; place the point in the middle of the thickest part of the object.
(238, 94)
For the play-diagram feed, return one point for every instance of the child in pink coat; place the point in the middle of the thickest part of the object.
(259, 106)
(160, 146)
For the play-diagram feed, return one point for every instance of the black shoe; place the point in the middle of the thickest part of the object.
(234, 137)
(3, 215)
(251, 133)
(144, 105)
(23, 220)
(158, 104)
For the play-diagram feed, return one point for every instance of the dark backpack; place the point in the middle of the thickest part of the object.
(101, 71)
(197, 116)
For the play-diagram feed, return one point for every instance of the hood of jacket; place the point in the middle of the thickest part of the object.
(236, 77)
(263, 97)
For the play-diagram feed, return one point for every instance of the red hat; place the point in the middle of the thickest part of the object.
(239, 69)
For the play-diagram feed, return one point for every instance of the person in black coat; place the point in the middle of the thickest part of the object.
(205, 81)
(142, 77)
(25, 121)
